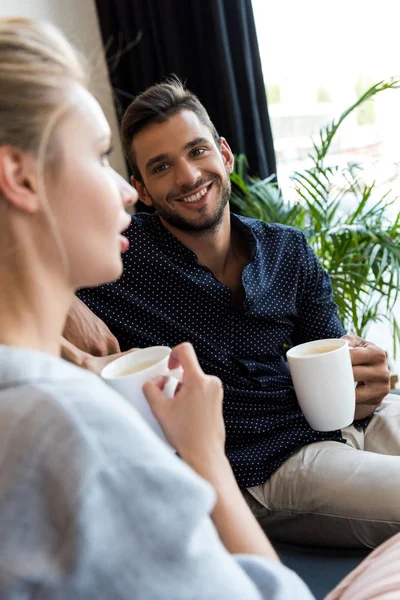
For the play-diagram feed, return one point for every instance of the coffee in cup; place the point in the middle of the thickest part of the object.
(317, 350)
(135, 369)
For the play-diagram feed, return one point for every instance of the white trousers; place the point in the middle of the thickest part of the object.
(335, 494)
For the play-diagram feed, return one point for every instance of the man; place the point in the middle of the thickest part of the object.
(238, 289)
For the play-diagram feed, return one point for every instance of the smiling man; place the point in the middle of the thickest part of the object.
(238, 289)
(198, 189)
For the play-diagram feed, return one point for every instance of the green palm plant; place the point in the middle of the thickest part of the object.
(359, 247)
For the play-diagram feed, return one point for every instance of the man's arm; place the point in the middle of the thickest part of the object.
(73, 354)
(84, 330)
(86, 361)
(87, 341)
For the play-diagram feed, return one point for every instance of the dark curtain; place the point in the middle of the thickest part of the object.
(210, 44)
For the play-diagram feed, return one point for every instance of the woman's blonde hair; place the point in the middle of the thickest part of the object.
(37, 68)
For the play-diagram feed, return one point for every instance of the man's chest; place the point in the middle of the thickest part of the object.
(175, 305)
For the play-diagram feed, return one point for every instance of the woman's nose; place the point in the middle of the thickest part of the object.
(129, 195)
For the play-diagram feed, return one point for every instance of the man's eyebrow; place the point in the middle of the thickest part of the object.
(156, 159)
(199, 140)
(188, 146)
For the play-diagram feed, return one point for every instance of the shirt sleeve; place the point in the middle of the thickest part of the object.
(93, 506)
(317, 315)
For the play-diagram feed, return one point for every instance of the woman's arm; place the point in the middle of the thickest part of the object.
(193, 423)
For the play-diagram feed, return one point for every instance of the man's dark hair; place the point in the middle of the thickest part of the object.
(157, 104)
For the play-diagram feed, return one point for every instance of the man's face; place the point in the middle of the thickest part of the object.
(185, 175)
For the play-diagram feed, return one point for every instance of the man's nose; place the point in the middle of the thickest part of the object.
(187, 173)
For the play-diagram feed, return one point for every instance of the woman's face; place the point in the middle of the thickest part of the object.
(87, 197)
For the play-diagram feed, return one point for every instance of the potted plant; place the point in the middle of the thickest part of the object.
(359, 246)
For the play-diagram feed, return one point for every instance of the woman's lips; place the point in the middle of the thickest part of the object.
(124, 242)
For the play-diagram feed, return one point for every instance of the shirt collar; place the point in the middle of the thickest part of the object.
(239, 223)
(19, 365)
(170, 244)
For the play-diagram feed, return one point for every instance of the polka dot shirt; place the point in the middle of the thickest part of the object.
(166, 297)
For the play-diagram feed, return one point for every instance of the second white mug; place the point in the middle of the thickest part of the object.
(323, 380)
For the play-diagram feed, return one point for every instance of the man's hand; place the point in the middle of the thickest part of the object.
(371, 373)
(87, 361)
(87, 332)
(97, 363)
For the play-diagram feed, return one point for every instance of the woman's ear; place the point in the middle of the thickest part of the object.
(142, 192)
(18, 179)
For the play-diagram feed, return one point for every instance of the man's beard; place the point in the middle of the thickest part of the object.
(202, 226)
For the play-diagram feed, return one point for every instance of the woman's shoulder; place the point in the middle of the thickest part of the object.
(58, 395)
(32, 381)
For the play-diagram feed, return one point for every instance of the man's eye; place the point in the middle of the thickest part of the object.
(198, 151)
(160, 168)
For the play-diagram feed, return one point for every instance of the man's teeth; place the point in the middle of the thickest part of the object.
(196, 197)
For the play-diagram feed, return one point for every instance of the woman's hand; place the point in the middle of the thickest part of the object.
(192, 420)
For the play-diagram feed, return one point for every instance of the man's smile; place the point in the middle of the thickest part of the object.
(197, 198)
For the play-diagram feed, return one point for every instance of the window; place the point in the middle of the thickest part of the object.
(317, 59)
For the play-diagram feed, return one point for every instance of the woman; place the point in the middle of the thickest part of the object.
(91, 506)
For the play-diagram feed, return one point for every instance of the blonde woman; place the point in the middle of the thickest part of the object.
(91, 506)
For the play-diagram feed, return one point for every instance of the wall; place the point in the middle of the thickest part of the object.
(78, 20)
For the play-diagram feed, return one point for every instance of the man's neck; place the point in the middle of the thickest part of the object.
(223, 251)
(213, 248)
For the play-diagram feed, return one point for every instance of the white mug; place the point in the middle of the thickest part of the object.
(323, 380)
(129, 373)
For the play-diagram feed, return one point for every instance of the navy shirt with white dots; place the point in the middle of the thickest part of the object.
(166, 297)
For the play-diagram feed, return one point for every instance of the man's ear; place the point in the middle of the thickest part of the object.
(142, 191)
(227, 155)
(18, 179)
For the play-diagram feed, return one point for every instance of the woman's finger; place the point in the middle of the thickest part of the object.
(185, 356)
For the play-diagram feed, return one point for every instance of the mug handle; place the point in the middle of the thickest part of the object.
(174, 376)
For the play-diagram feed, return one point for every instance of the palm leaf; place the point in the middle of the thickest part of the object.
(359, 247)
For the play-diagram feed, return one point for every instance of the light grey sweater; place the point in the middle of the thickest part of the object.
(93, 506)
